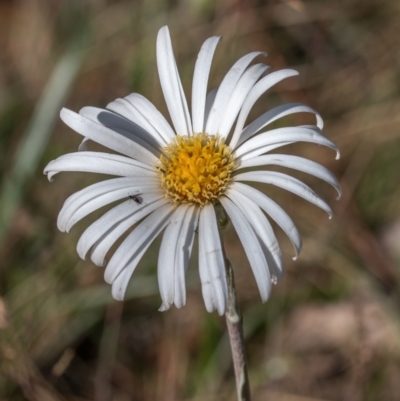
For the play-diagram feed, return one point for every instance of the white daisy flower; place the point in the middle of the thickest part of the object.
(172, 178)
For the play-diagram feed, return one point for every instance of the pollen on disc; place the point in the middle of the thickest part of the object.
(196, 169)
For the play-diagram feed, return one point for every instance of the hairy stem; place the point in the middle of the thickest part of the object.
(235, 330)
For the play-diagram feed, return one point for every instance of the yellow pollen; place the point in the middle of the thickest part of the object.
(196, 169)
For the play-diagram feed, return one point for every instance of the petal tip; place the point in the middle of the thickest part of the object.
(117, 293)
(163, 308)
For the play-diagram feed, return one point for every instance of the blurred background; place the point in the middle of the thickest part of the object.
(331, 328)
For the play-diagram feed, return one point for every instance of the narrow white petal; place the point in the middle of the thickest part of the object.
(91, 198)
(209, 104)
(102, 187)
(148, 231)
(246, 82)
(98, 162)
(107, 224)
(171, 84)
(274, 211)
(140, 237)
(207, 287)
(108, 138)
(200, 81)
(101, 247)
(166, 266)
(121, 125)
(209, 233)
(286, 182)
(184, 250)
(103, 200)
(78, 199)
(251, 246)
(263, 230)
(296, 163)
(125, 109)
(83, 147)
(225, 91)
(275, 114)
(261, 87)
(305, 133)
(152, 115)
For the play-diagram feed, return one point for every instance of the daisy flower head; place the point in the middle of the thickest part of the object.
(172, 178)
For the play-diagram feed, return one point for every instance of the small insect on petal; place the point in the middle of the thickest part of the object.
(136, 198)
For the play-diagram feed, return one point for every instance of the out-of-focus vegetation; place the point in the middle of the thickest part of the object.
(331, 328)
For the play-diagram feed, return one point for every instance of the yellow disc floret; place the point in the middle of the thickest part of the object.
(196, 168)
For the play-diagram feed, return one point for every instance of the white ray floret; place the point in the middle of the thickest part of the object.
(100, 236)
(260, 88)
(274, 211)
(101, 247)
(255, 146)
(171, 84)
(262, 228)
(124, 127)
(252, 247)
(171, 179)
(170, 279)
(296, 163)
(286, 182)
(200, 81)
(225, 91)
(214, 256)
(246, 82)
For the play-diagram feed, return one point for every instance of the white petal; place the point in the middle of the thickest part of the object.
(83, 147)
(120, 284)
(207, 287)
(113, 223)
(171, 84)
(246, 82)
(152, 115)
(167, 269)
(262, 229)
(209, 104)
(200, 81)
(102, 187)
(104, 244)
(296, 163)
(251, 246)
(184, 247)
(211, 243)
(139, 238)
(225, 91)
(286, 182)
(121, 125)
(275, 114)
(274, 211)
(265, 149)
(125, 109)
(98, 162)
(86, 201)
(261, 87)
(305, 133)
(107, 137)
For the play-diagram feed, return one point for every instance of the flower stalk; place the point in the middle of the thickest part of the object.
(235, 329)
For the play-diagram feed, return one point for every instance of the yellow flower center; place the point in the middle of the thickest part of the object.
(196, 169)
